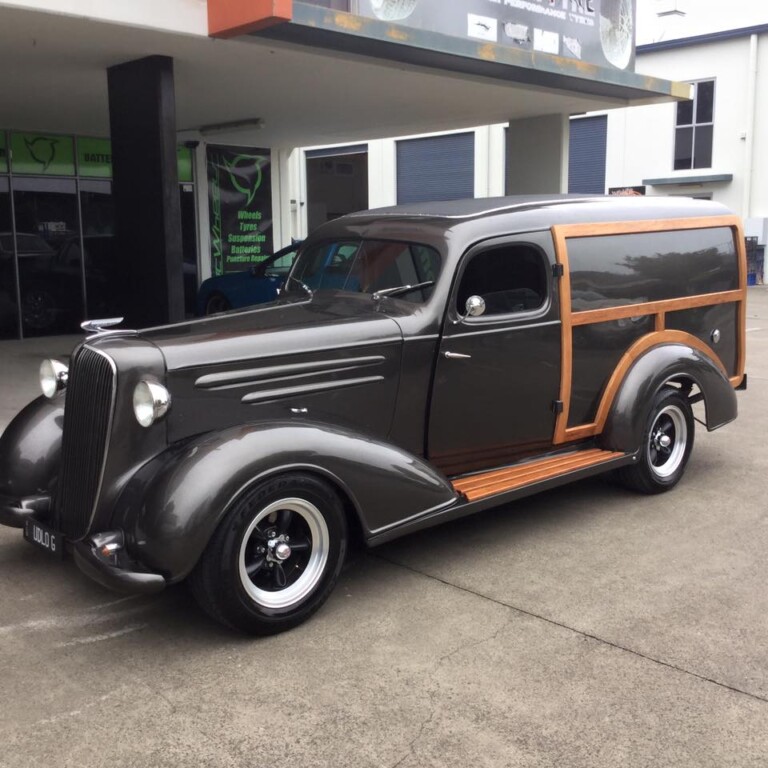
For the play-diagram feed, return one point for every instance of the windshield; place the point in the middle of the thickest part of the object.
(368, 266)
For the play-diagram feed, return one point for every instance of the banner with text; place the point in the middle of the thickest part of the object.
(600, 32)
(240, 207)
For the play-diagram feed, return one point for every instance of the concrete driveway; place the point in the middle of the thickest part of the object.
(584, 627)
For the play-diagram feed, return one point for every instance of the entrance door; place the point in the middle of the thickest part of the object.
(498, 374)
(337, 183)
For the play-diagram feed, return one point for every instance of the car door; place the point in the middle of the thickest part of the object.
(497, 374)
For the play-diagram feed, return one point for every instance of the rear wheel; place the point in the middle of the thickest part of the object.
(667, 444)
(275, 557)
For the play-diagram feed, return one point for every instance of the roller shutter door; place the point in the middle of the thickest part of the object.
(436, 168)
(586, 160)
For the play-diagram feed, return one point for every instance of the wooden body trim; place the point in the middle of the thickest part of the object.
(659, 309)
(479, 486)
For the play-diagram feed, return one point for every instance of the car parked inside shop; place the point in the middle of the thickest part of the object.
(421, 363)
(257, 285)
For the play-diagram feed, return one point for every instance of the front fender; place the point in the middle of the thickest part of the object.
(171, 507)
(30, 449)
(669, 362)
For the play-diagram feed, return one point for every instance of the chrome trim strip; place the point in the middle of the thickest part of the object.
(333, 348)
(252, 375)
(108, 436)
(417, 516)
(307, 389)
(426, 337)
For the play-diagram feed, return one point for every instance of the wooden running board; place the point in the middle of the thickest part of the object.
(479, 486)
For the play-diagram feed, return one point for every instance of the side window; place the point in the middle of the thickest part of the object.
(510, 278)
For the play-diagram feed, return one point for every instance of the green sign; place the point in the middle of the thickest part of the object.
(3, 154)
(240, 204)
(94, 158)
(184, 157)
(43, 154)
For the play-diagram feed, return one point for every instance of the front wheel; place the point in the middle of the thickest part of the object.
(667, 444)
(275, 557)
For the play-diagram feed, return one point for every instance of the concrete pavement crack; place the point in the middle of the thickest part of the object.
(575, 630)
(431, 694)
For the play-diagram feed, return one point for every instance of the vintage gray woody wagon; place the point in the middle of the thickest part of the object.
(422, 363)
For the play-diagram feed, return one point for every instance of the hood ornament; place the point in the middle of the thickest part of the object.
(97, 326)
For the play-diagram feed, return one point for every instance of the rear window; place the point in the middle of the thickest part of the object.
(617, 270)
(367, 266)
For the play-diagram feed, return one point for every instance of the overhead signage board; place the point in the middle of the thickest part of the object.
(94, 158)
(599, 32)
(43, 154)
(240, 207)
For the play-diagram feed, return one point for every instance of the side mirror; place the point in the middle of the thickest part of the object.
(475, 306)
(257, 270)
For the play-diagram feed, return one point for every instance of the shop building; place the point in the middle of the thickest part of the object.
(146, 145)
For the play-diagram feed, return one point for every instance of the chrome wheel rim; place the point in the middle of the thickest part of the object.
(283, 553)
(667, 442)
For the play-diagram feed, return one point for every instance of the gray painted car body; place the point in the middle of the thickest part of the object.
(348, 387)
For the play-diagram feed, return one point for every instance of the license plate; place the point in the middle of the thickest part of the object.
(44, 537)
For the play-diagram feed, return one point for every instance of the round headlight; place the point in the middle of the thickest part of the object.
(53, 377)
(150, 402)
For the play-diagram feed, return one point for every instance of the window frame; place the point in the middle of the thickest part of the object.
(529, 240)
(694, 125)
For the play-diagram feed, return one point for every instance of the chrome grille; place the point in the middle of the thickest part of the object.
(88, 410)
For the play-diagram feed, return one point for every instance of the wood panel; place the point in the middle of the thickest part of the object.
(561, 233)
(589, 316)
(640, 347)
(499, 481)
(566, 334)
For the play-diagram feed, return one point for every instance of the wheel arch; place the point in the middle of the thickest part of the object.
(662, 365)
(30, 448)
(172, 505)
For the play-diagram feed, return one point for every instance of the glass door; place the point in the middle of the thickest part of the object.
(9, 310)
(49, 263)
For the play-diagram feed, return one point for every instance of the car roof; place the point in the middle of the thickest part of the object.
(480, 218)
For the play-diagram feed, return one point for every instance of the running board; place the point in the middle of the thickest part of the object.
(485, 484)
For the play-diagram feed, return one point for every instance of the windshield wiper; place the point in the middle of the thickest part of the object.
(400, 289)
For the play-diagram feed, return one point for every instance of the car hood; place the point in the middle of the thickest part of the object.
(328, 321)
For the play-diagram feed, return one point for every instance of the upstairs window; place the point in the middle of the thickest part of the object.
(693, 130)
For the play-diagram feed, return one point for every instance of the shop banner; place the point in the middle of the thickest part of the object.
(240, 206)
(43, 154)
(598, 32)
(3, 154)
(94, 158)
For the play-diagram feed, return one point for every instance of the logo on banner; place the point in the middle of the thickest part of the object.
(240, 169)
(42, 150)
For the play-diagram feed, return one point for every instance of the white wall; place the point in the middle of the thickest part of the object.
(185, 16)
(641, 139)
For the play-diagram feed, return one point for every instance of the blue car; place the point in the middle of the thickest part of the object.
(256, 285)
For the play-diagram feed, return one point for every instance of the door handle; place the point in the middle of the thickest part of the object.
(456, 356)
